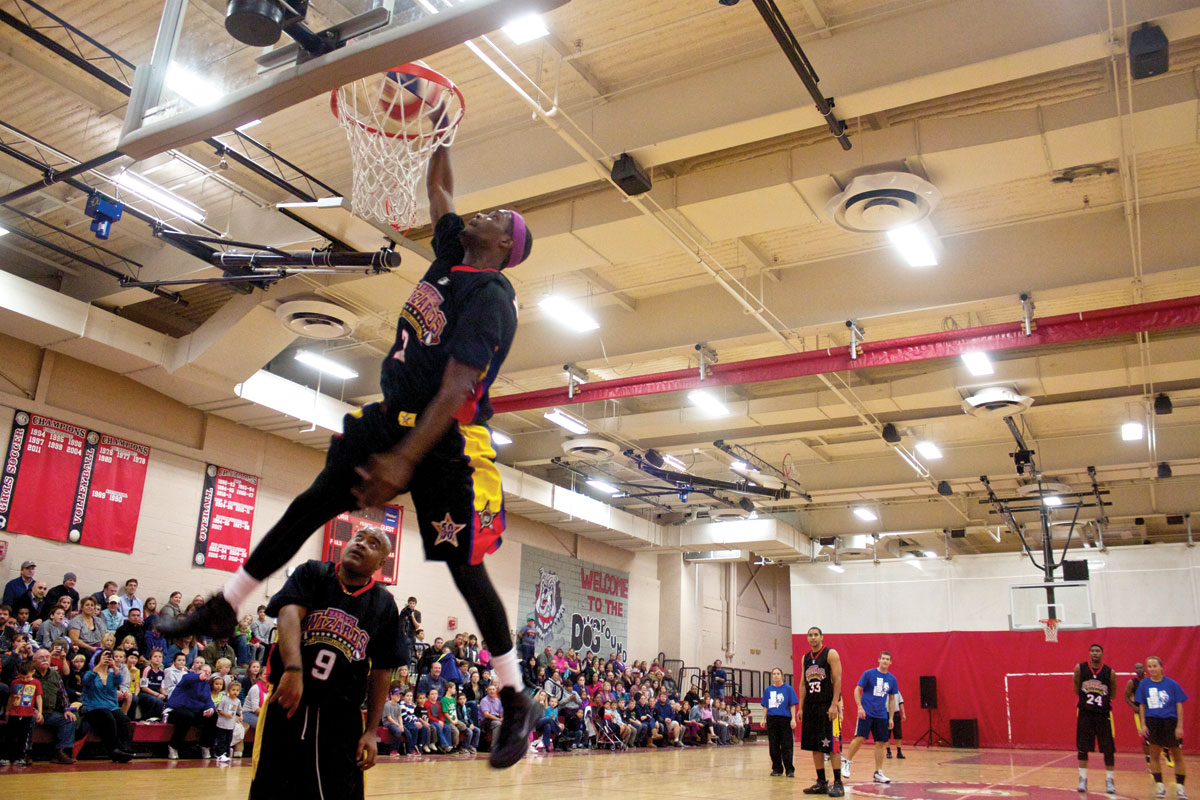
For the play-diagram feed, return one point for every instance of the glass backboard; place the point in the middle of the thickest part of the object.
(1069, 602)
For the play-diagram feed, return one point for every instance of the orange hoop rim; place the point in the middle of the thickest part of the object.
(421, 72)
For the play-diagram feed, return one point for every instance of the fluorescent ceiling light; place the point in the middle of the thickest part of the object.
(1052, 500)
(249, 125)
(526, 29)
(978, 363)
(837, 568)
(3, 231)
(1132, 431)
(500, 438)
(929, 450)
(326, 365)
(143, 188)
(288, 397)
(930, 554)
(568, 314)
(1095, 563)
(607, 488)
(865, 514)
(707, 403)
(565, 420)
(673, 461)
(739, 466)
(195, 89)
(914, 245)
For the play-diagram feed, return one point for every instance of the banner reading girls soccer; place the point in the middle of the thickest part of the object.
(575, 604)
(226, 516)
(69, 484)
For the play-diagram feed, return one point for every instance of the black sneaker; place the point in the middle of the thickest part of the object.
(836, 790)
(776, 773)
(820, 787)
(215, 618)
(791, 773)
(512, 740)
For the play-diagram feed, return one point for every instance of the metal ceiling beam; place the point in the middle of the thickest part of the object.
(1062, 329)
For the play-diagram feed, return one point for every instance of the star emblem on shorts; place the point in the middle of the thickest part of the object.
(825, 743)
(447, 531)
(486, 516)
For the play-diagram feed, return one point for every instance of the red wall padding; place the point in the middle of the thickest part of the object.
(971, 666)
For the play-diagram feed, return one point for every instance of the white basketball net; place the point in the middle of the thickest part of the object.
(1050, 627)
(387, 166)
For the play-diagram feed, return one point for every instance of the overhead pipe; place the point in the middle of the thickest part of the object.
(1060, 329)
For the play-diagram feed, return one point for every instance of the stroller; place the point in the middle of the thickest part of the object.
(608, 735)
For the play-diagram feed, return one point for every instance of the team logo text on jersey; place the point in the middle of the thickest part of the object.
(336, 628)
(814, 673)
(447, 531)
(423, 311)
(1093, 686)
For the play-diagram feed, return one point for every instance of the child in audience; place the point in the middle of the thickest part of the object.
(24, 706)
(228, 711)
(437, 722)
(416, 732)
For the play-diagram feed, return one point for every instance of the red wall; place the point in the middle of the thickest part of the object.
(971, 666)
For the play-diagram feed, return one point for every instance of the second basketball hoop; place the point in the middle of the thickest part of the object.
(394, 121)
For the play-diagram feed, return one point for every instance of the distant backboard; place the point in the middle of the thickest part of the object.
(1068, 602)
(202, 82)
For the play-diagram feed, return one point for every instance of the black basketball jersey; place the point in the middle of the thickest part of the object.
(1095, 694)
(818, 679)
(456, 311)
(342, 637)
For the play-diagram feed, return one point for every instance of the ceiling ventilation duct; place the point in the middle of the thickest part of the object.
(728, 514)
(1047, 488)
(316, 319)
(995, 402)
(863, 545)
(882, 201)
(593, 451)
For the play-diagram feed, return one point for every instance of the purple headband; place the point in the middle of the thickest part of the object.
(517, 254)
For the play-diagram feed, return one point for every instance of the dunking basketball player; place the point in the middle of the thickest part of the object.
(822, 687)
(428, 437)
(1095, 686)
(339, 639)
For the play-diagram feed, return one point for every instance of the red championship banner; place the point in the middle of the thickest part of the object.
(341, 529)
(226, 516)
(48, 458)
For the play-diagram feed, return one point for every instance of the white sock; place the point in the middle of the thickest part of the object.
(508, 671)
(1083, 773)
(239, 587)
(1108, 773)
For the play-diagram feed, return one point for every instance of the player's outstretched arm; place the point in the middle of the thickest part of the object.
(439, 183)
(388, 474)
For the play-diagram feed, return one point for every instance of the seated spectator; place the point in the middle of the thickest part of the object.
(242, 634)
(134, 627)
(439, 727)
(35, 601)
(471, 651)
(545, 659)
(547, 725)
(572, 665)
(433, 680)
(402, 679)
(128, 601)
(428, 656)
(171, 610)
(55, 627)
(692, 729)
(423, 715)
(464, 719)
(667, 719)
(150, 612)
(197, 601)
(107, 642)
(59, 656)
(553, 686)
(173, 674)
(132, 657)
(186, 645)
(151, 699)
(490, 711)
(252, 706)
(21, 623)
(56, 709)
(737, 723)
(64, 589)
(559, 661)
(390, 719)
(250, 675)
(416, 731)
(112, 616)
(102, 711)
(10, 663)
(190, 705)
(74, 681)
(218, 648)
(260, 633)
(570, 715)
(643, 712)
(619, 727)
(154, 640)
(20, 584)
(485, 656)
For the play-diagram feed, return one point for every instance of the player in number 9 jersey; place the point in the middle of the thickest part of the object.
(339, 632)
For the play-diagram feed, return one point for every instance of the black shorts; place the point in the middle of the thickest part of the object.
(897, 731)
(1161, 731)
(876, 728)
(816, 729)
(455, 489)
(1094, 731)
(311, 756)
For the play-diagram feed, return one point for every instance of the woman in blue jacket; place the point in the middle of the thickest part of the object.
(101, 709)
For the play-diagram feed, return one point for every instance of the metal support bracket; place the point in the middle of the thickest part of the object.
(857, 337)
(1027, 309)
(708, 357)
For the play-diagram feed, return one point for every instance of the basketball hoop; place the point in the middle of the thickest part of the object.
(393, 122)
(788, 467)
(1050, 627)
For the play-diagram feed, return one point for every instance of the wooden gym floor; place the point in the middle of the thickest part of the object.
(703, 773)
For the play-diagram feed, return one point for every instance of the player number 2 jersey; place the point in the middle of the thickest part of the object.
(342, 637)
(456, 311)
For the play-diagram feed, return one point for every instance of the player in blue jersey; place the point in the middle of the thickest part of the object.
(428, 437)
(1160, 700)
(876, 697)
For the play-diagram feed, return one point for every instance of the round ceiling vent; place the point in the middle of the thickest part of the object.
(591, 450)
(316, 319)
(1048, 488)
(995, 401)
(727, 514)
(885, 200)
